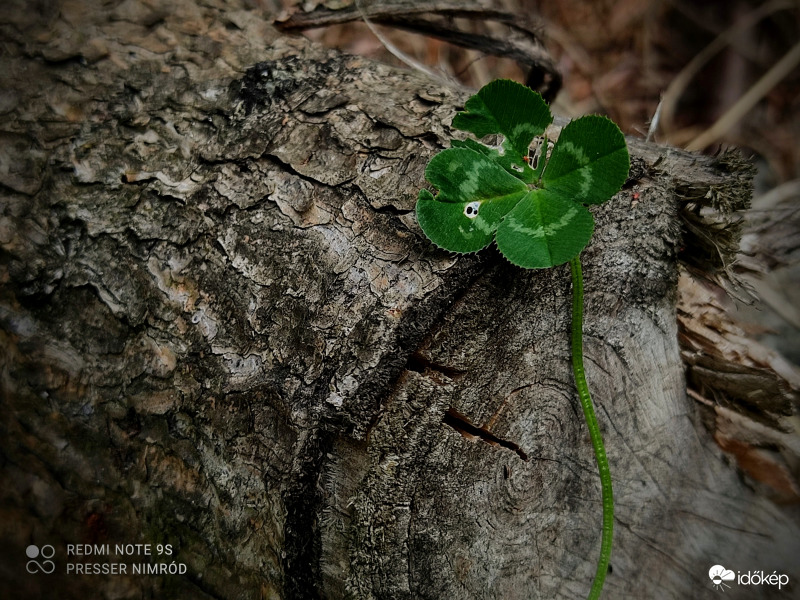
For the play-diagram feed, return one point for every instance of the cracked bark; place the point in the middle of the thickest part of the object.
(223, 330)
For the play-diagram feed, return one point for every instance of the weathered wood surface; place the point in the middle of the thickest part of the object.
(223, 330)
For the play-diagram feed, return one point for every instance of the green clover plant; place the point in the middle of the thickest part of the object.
(536, 214)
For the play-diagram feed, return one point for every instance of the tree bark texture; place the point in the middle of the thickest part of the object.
(224, 331)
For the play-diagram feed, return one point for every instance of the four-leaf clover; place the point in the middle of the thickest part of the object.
(538, 217)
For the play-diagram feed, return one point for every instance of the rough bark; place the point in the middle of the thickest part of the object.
(223, 330)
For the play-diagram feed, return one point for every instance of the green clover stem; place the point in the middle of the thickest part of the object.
(594, 430)
(538, 217)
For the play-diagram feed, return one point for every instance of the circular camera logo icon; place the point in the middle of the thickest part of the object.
(719, 575)
(45, 566)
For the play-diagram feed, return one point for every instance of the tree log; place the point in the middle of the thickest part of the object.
(224, 333)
